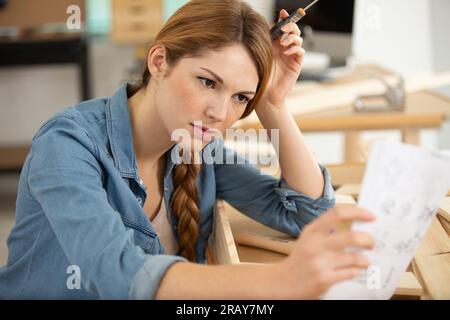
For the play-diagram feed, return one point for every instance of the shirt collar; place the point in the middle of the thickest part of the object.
(121, 138)
(118, 123)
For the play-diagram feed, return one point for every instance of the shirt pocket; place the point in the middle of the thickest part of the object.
(146, 239)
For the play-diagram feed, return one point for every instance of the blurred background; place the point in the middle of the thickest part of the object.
(388, 58)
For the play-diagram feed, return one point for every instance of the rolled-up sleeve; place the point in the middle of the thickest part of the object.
(266, 199)
(65, 179)
(298, 202)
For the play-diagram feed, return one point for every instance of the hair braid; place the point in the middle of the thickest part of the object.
(184, 205)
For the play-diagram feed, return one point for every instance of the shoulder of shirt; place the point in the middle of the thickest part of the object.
(82, 115)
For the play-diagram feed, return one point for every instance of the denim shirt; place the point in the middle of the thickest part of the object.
(81, 231)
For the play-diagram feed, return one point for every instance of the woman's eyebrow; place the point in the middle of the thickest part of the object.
(213, 74)
(221, 80)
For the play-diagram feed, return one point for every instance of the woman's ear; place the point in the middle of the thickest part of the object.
(157, 62)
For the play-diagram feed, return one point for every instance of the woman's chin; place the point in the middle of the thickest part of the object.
(194, 144)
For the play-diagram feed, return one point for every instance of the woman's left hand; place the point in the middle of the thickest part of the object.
(288, 59)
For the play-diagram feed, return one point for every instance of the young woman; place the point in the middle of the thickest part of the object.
(104, 210)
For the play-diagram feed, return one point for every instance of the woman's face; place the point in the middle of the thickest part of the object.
(211, 91)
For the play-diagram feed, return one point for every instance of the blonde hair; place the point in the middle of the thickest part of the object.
(208, 25)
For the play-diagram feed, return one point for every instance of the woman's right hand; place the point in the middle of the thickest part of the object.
(319, 258)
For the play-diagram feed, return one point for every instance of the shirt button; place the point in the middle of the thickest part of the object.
(139, 199)
(166, 188)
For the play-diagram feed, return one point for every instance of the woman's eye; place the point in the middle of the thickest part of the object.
(242, 99)
(207, 83)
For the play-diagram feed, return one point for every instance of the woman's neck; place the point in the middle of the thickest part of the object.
(150, 138)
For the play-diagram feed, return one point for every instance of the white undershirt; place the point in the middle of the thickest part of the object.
(163, 229)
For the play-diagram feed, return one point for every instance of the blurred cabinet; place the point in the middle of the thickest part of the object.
(136, 21)
(25, 14)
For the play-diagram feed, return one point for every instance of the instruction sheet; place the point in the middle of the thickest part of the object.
(403, 186)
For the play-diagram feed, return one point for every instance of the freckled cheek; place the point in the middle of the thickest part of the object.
(189, 100)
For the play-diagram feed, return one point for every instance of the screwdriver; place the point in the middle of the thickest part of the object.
(294, 17)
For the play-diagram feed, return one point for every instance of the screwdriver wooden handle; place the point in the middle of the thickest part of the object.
(252, 239)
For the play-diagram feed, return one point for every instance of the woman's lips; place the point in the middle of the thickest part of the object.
(202, 132)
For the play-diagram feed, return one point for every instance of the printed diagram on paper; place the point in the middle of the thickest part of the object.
(403, 186)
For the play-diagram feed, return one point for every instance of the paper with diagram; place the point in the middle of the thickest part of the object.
(403, 186)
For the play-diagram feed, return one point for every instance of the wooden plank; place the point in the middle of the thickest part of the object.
(416, 271)
(431, 260)
(210, 257)
(362, 122)
(436, 240)
(258, 240)
(352, 147)
(345, 199)
(350, 189)
(351, 173)
(408, 285)
(221, 241)
(411, 136)
(258, 255)
(444, 209)
(444, 214)
(434, 271)
(445, 224)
